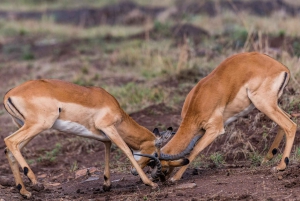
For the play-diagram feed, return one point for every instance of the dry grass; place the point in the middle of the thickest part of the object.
(47, 27)
(145, 63)
(37, 5)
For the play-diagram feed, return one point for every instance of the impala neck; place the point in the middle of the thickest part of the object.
(136, 137)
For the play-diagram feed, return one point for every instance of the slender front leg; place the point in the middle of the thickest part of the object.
(107, 182)
(209, 136)
(112, 133)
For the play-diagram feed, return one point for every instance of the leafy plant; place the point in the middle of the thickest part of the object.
(74, 166)
(217, 159)
(50, 156)
(297, 154)
(255, 158)
(27, 54)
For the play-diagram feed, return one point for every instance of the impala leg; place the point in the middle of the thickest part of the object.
(107, 182)
(274, 147)
(168, 172)
(280, 117)
(14, 143)
(210, 135)
(14, 166)
(112, 133)
(289, 128)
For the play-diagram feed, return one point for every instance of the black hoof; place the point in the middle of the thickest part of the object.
(106, 188)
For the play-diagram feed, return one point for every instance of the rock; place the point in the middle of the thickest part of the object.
(185, 186)
(85, 171)
(42, 176)
(279, 177)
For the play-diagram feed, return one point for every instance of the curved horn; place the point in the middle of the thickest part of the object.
(157, 173)
(183, 153)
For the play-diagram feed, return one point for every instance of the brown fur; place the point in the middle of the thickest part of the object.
(39, 104)
(238, 82)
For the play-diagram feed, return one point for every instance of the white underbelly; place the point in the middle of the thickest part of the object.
(241, 114)
(78, 129)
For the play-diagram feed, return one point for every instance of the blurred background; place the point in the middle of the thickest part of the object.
(148, 54)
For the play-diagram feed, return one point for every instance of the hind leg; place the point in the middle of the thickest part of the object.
(274, 147)
(14, 144)
(270, 108)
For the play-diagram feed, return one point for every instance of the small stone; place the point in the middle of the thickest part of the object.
(185, 186)
(85, 171)
(42, 176)
(279, 177)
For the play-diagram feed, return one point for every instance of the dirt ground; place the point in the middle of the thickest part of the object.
(71, 168)
(238, 180)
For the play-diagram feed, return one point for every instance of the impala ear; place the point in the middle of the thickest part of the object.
(156, 132)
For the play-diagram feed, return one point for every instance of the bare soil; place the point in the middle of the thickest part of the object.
(65, 175)
(238, 179)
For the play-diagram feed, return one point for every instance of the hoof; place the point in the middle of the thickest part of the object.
(154, 186)
(26, 194)
(106, 188)
(173, 180)
(38, 187)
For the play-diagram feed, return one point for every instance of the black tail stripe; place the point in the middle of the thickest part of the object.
(10, 101)
(285, 76)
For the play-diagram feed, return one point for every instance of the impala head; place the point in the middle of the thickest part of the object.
(162, 137)
(154, 160)
(176, 160)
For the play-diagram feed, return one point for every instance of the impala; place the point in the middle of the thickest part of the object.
(238, 85)
(90, 112)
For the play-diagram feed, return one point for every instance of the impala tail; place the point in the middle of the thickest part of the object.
(15, 113)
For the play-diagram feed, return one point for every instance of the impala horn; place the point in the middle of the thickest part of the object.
(181, 155)
(156, 173)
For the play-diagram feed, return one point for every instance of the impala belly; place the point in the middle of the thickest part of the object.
(241, 114)
(240, 106)
(137, 158)
(77, 129)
